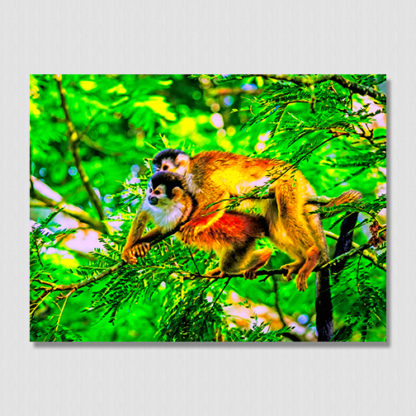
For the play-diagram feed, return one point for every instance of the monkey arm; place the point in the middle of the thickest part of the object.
(136, 231)
(151, 237)
(137, 228)
(143, 244)
(138, 245)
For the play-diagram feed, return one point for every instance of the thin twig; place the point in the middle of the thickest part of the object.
(193, 259)
(261, 273)
(276, 301)
(365, 252)
(62, 309)
(190, 276)
(76, 286)
(221, 292)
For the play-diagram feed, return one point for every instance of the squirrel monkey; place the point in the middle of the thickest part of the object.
(232, 236)
(213, 177)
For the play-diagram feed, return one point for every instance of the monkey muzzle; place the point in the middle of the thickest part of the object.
(152, 200)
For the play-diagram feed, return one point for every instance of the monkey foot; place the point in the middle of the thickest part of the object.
(250, 274)
(215, 273)
(301, 282)
(307, 268)
(291, 269)
(288, 272)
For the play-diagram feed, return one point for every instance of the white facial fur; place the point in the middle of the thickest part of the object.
(180, 165)
(167, 165)
(167, 213)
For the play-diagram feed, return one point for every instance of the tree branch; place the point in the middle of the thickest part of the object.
(345, 256)
(267, 273)
(73, 286)
(276, 300)
(74, 138)
(369, 255)
(71, 210)
(186, 276)
(310, 80)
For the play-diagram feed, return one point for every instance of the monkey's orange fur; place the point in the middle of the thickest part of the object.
(228, 230)
(214, 177)
(232, 236)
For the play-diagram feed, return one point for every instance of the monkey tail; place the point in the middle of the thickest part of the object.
(323, 305)
(344, 198)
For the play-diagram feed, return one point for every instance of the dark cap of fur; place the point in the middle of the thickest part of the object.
(169, 179)
(166, 154)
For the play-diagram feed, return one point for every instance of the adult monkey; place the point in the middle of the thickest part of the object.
(232, 237)
(213, 177)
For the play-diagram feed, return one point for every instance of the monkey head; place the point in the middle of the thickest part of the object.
(171, 160)
(167, 200)
(164, 187)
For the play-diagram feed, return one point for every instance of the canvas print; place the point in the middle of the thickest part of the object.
(208, 208)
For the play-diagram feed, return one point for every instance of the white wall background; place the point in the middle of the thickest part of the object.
(101, 36)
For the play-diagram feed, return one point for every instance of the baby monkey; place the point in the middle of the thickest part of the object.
(232, 237)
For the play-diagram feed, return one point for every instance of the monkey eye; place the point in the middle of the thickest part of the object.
(165, 167)
(157, 192)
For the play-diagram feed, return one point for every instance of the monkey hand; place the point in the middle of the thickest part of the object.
(191, 229)
(250, 274)
(130, 254)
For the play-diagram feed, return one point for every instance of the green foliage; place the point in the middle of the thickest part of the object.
(334, 136)
(367, 308)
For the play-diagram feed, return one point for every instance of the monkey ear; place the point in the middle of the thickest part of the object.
(182, 160)
(177, 192)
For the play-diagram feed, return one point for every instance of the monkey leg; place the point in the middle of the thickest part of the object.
(242, 259)
(315, 224)
(294, 230)
(139, 247)
(312, 259)
(232, 260)
(258, 259)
